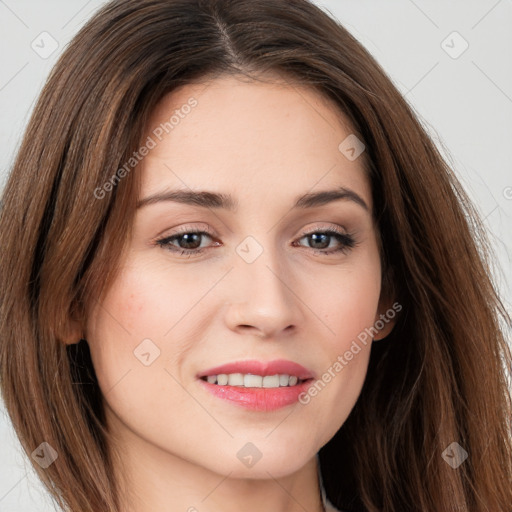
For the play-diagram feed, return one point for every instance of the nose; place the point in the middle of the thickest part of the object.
(262, 299)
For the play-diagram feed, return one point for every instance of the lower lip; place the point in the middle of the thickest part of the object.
(258, 399)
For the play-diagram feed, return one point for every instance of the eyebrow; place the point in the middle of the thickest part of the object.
(225, 201)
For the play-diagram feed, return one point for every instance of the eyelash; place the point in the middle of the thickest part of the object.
(346, 239)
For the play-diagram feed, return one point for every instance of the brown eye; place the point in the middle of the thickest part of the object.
(188, 242)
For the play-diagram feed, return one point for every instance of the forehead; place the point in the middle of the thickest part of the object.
(249, 138)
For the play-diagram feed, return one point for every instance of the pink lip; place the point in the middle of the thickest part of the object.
(263, 368)
(259, 399)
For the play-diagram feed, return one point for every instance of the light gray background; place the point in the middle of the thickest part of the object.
(465, 102)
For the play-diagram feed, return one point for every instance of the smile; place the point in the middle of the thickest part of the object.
(249, 380)
(257, 385)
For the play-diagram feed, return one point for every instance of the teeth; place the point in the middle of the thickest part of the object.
(271, 381)
(222, 379)
(235, 379)
(253, 381)
(284, 380)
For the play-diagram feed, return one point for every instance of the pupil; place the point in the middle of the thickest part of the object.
(190, 239)
(316, 237)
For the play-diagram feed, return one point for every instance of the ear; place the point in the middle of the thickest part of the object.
(385, 319)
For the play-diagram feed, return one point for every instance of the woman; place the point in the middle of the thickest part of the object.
(248, 279)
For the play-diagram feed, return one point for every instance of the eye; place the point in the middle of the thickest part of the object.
(321, 240)
(187, 242)
(325, 242)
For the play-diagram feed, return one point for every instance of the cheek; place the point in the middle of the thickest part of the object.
(143, 302)
(351, 305)
(126, 319)
(126, 338)
(346, 301)
(349, 314)
(143, 311)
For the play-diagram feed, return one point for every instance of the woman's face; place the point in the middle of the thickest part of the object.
(269, 290)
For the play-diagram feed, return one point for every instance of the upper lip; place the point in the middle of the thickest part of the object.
(263, 368)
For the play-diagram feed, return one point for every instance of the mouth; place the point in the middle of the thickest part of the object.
(250, 380)
(257, 385)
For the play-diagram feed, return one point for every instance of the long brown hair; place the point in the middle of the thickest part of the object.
(440, 376)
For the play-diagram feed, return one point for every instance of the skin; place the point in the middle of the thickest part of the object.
(265, 144)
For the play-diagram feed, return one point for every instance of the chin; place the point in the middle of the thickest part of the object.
(262, 460)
